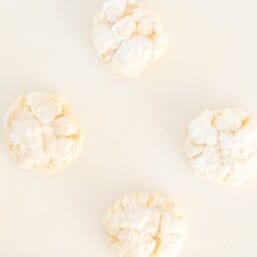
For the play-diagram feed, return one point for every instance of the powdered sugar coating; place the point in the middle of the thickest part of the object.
(145, 225)
(222, 146)
(128, 36)
(42, 133)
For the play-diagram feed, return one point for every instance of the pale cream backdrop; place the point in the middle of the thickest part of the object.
(134, 127)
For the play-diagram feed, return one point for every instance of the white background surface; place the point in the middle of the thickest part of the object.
(134, 127)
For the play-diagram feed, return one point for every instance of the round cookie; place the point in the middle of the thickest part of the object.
(145, 225)
(128, 36)
(222, 146)
(42, 133)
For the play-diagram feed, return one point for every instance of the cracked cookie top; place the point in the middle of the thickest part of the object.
(222, 146)
(145, 225)
(42, 133)
(128, 36)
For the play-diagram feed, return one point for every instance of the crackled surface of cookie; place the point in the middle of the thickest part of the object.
(128, 36)
(145, 225)
(222, 146)
(42, 133)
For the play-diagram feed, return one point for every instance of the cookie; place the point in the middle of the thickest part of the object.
(145, 225)
(42, 133)
(128, 36)
(222, 146)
